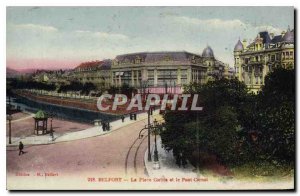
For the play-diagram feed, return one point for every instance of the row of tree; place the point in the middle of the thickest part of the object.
(124, 89)
(83, 88)
(76, 86)
(16, 83)
(235, 125)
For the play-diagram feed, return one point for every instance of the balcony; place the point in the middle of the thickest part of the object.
(256, 62)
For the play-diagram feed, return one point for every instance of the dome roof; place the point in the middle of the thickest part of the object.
(239, 46)
(208, 52)
(288, 36)
(40, 114)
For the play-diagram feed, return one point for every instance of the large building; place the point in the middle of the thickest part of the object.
(96, 72)
(160, 69)
(255, 60)
(156, 71)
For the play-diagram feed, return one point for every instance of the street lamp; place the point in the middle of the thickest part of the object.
(51, 118)
(51, 128)
(144, 86)
(9, 118)
(155, 131)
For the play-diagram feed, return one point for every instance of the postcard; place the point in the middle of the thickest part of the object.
(150, 98)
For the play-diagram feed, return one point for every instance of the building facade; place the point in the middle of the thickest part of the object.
(155, 70)
(267, 52)
(48, 76)
(161, 69)
(96, 72)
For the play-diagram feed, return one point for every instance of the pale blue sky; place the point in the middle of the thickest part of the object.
(77, 34)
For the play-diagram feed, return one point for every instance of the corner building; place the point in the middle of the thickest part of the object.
(267, 52)
(161, 69)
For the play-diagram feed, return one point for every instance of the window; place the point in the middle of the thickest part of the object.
(291, 55)
(273, 58)
(150, 73)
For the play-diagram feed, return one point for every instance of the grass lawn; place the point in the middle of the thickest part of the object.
(253, 171)
(264, 171)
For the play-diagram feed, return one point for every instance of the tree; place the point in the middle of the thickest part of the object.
(276, 115)
(112, 90)
(218, 128)
(127, 90)
(72, 86)
(87, 88)
(217, 135)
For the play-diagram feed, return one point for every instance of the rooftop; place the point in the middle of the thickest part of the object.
(105, 64)
(150, 57)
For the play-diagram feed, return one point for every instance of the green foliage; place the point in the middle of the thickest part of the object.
(216, 128)
(23, 84)
(262, 169)
(235, 125)
(112, 90)
(124, 89)
(73, 86)
(276, 115)
(127, 90)
(87, 88)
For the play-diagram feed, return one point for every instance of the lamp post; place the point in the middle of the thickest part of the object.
(51, 128)
(9, 102)
(149, 130)
(155, 130)
(51, 118)
(9, 118)
(144, 86)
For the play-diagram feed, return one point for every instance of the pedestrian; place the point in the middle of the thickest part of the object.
(21, 147)
(107, 126)
(103, 126)
(122, 117)
(52, 135)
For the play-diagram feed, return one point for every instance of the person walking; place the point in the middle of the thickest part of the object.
(21, 147)
(103, 126)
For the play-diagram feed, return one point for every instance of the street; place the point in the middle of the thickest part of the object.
(117, 153)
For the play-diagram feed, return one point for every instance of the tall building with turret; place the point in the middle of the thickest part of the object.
(167, 68)
(254, 60)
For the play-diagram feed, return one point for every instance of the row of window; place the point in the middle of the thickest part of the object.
(249, 80)
(270, 57)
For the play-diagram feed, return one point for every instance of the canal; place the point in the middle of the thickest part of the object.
(61, 112)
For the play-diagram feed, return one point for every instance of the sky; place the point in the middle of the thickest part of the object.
(63, 37)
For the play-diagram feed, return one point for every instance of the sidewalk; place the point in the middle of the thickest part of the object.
(87, 133)
(168, 167)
